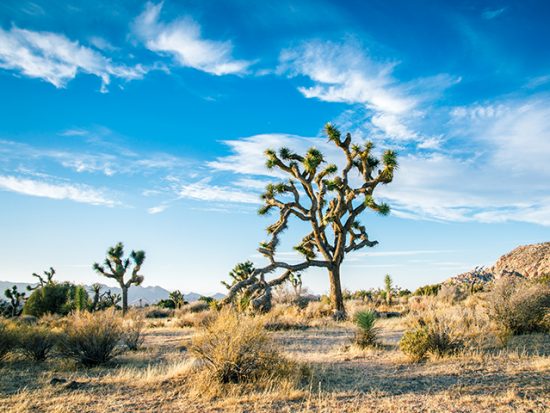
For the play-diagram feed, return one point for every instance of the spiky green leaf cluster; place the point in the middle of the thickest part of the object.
(332, 133)
(312, 160)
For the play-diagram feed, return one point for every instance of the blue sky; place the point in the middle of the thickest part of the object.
(146, 122)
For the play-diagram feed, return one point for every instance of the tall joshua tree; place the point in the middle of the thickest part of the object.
(116, 266)
(331, 203)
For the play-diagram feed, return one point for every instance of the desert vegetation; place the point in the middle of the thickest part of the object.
(474, 343)
(415, 353)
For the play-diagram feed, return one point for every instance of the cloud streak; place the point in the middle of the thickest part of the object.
(56, 59)
(60, 191)
(343, 72)
(182, 39)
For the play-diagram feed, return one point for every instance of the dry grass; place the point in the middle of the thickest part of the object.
(345, 379)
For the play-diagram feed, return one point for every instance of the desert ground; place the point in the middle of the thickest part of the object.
(342, 377)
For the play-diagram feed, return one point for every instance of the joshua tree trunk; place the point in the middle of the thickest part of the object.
(336, 298)
(124, 299)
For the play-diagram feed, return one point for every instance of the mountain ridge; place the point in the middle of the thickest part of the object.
(527, 261)
(148, 295)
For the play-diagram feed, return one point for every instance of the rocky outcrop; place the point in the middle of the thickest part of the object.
(527, 261)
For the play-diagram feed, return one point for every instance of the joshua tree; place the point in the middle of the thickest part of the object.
(177, 298)
(388, 288)
(16, 300)
(96, 289)
(242, 271)
(116, 267)
(296, 283)
(42, 281)
(330, 203)
(108, 300)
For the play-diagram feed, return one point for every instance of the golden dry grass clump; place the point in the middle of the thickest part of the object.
(235, 353)
(8, 338)
(92, 339)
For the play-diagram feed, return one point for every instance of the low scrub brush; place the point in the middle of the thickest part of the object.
(92, 339)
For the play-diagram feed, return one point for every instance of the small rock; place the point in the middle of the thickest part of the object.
(55, 381)
(73, 385)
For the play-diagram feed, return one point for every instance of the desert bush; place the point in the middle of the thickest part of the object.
(167, 303)
(53, 298)
(367, 332)
(317, 309)
(27, 320)
(159, 313)
(451, 294)
(184, 319)
(133, 333)
(235, 349)
(92, 339)
(8, 338)
(518, 306)
(432, 289)
(438, 329)
(52, 321)
(36, 342)
(196, 307)
(415, 344)
(443, 340)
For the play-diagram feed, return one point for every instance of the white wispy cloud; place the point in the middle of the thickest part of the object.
(344, 72)
(92, 159)
(502, 173)
(182, 39)
(490, 14)
(56, 59)
(157, 209)
(74, 192)
(203, 190)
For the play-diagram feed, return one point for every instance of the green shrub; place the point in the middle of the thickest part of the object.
(367, 332)
(518, 306)
(415, 343)
(433, 334)
(8, 338)
(432, 289)
(92, 339)
(167, 303)
(55, 298)
(36, 342)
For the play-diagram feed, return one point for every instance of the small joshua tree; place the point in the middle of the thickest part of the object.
(177, 298)
(331, 204)
(96, 290)
(388, 288)
(116, 266)
(242, 271)
(109, 299)
(16, 300)
(296, 283)
(41, 280)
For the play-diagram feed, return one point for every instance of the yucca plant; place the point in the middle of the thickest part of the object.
(367, 332)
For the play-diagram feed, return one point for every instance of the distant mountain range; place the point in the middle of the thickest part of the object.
(148, 295)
